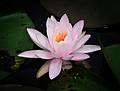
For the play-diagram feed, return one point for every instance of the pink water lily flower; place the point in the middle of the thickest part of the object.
(64, 44)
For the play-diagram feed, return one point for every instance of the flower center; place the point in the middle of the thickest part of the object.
(60, 36)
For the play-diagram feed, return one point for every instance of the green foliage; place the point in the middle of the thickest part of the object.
(81, 81)
(14, 37)
(13, 34)
(112, 54)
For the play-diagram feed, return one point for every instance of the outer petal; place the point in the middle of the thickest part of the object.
(88, 49)
(77, 29)
(81, 41)
(36, 54)
(79, 57)
(44, 54)
(44, 42)
(38, 38)
(43, 70)
(55, 68)
(28, 54)
(50, 29)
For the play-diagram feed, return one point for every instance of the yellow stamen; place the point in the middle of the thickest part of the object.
(60, 36)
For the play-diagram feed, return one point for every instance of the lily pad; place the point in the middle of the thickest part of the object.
(13, 34)
(112, 54)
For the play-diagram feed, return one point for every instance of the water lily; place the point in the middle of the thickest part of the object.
(63, 44)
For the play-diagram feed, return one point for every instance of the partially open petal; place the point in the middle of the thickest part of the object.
(77, 29)
(53, 19)
(55, 68)
(43, 69)
(62, 39)
(36, 54)
(80, 57)
(38, 38)
(81, 41)
(88, 49)
(64, 19)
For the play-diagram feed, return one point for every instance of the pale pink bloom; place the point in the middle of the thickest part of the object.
(64, 44)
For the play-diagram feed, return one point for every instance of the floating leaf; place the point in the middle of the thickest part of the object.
(13, 34)
(112, 54)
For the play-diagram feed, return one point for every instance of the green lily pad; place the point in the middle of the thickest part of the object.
(112, 54)
(81, 81)
(13, 34)
(3, 74)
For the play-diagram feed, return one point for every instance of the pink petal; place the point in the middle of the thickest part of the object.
(62, 50)
(28, 54)
(80, 57)
(53, 19)
(77, 29)
(36, 54)
(64, 19)
(81, 41)
(67, 57)
(38, 38)
(43, 69)
(88, 49)
(50, 30)
(63, 47)
(55, 68)
(44, 42)
(44, 54)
